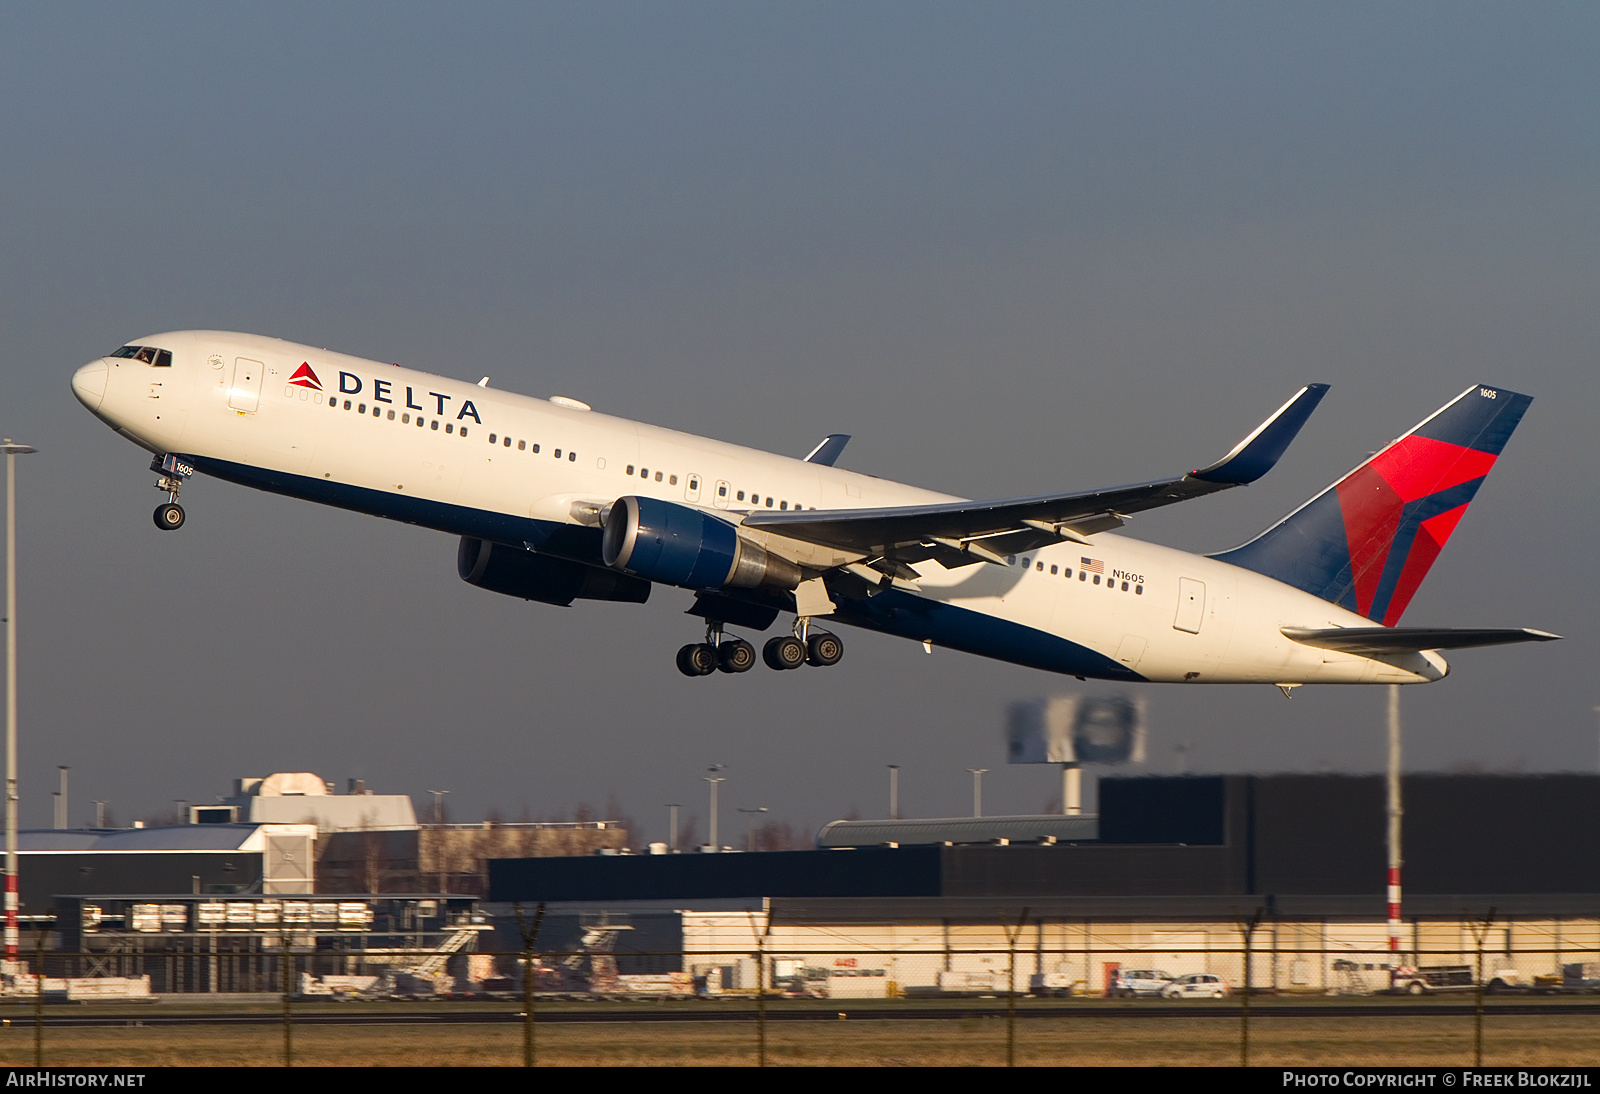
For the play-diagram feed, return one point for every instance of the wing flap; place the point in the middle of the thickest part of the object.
(1393, 640)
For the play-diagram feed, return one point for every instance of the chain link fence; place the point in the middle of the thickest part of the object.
(1023, 1005)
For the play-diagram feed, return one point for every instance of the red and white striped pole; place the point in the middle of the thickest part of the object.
(11, 936)
(1394, 811)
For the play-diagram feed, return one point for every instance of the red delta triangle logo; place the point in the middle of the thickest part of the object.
(305, 377)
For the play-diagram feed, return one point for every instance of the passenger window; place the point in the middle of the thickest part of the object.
(558, 453)
(405, 419)
(1011, 560)
(420, 423)
(1138, 590)
(449, 427)
(1083, 575)
(658, 476)
(507, 443)
(629, 471)
(1067, 573)
(492, 439)
(769, 501)
(741, 495)
(722, 491)
(435, 424)
(1052, 567)
(391, 415)
(672, 480)
(1039, 566)
(1124, 586)
(463, 431)
(535, 449)
(783, 505)
(524, 444)
(572, 457)
(1026, 562)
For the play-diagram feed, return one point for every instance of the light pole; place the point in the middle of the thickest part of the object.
(1395, 812)
(750, 826)
(99, 812)
(894, 791)
(438, 835)
(12, 451)
(1597, 710)
(672, 827)
(977, 790)
(714, 779)
(63, 814)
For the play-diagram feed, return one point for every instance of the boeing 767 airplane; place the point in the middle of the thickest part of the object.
(554, 502)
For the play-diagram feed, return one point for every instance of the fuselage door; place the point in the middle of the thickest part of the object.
(1191, 605)
(721, 493)
(691, 487)
(244, 392)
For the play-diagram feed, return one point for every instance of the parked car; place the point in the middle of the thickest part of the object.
(1197, 985)
(1131, 982)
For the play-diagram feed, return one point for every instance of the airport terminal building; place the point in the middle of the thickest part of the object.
(1169, 875)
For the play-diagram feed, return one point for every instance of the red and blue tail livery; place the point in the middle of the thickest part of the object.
(1367, 541)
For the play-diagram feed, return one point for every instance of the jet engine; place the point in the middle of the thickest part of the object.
(545, 578)
(676, 545)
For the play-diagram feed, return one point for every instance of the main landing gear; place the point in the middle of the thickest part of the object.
(722, 654)
(716, 653)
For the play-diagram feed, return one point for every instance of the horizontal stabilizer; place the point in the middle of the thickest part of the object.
(1391, 640)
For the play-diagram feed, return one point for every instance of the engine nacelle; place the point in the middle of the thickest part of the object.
(676, 545)
(544, 578)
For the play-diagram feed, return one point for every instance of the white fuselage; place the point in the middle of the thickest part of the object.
(431, 450)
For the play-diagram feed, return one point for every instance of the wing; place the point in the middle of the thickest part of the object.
(1382, 640)
(965, 532)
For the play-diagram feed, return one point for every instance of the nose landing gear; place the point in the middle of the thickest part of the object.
(169, 515)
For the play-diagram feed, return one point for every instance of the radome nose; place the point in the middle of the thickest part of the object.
(89, 383)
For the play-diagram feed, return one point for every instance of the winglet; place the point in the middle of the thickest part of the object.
(1256, 454)
(828, 451)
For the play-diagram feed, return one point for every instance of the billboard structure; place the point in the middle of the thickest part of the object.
(1072, 730)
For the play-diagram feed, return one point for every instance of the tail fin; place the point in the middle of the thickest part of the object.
(1367, 541)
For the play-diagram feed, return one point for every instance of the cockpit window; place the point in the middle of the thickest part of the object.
(150, 355)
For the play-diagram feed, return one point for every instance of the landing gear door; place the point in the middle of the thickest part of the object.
(1191, 605)
(244, 392)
